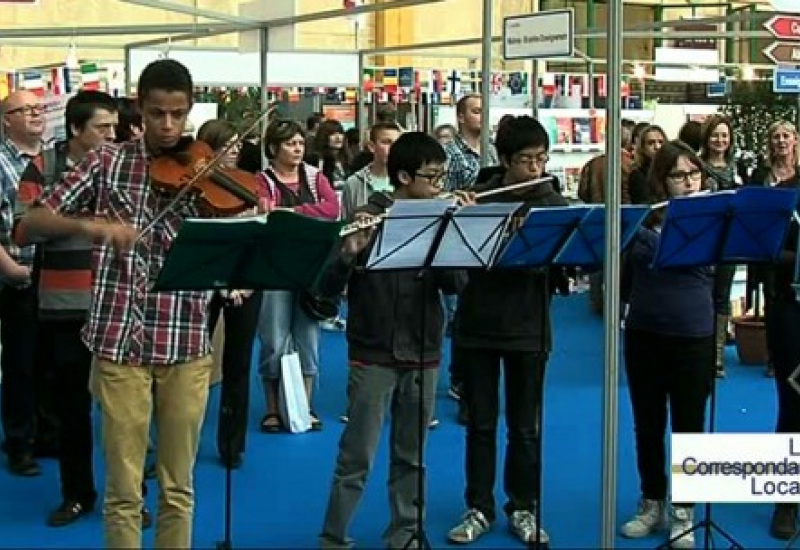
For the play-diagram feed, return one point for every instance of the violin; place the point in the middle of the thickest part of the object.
(221, 191)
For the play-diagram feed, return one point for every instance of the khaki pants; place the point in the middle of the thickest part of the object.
(127, 394)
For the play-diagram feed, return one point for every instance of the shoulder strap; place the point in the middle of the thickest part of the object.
(49, 166)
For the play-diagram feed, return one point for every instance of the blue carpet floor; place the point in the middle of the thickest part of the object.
(281, 491)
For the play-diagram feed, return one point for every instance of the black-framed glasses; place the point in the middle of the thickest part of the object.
(691, 175)
(433, 178)
(27, 110)
(538, 160)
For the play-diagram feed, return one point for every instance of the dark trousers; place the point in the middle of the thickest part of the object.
(723, 283)
(665, 371)
(524, 375)
(61, 346)
(18, 329)
(783, 327)
(240, 327)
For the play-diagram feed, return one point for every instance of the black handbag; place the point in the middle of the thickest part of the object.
(319, 308)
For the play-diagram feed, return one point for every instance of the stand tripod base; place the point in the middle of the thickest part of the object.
(709, 528)
(418, 541)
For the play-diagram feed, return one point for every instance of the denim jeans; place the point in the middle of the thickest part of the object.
(283, 327)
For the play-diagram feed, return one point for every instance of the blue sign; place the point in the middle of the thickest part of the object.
(786, 81)
(718, 89)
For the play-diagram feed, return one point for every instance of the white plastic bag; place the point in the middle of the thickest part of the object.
(292, 399)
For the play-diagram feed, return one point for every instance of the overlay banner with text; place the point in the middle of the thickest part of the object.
(730, 467)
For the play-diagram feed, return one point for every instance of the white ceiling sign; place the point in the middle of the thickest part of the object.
(790, 6)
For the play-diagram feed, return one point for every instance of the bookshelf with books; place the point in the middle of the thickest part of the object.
(576, 136)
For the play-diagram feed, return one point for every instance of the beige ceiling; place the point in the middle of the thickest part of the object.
(336, 34)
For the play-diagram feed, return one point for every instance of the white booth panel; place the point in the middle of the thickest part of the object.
(231, 68)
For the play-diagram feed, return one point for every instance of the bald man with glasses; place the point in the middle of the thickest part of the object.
(23, 125)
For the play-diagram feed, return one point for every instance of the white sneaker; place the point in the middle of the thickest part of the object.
(523, 525)
(473, 525)
(682, 518)
(651, 517)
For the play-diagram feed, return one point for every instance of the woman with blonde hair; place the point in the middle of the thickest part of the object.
(781, 168)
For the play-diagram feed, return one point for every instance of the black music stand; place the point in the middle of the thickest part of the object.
(282, 251)
(423, 235)
(570, 236)
(279, 251)
(748, 225)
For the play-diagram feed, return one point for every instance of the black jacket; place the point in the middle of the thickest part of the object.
(385, 308)
(509, 309)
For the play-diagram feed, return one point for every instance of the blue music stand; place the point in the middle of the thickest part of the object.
(747, 225)
(568, 236)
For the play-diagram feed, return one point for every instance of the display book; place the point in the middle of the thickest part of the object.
(577, 136)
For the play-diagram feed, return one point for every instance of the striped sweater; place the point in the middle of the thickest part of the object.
(63, 268)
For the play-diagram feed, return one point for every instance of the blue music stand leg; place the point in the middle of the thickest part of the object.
(707, 524)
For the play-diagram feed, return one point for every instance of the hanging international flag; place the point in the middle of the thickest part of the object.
(454, 83)
(405, 78)
(600, 89)
(33, 82)
(6, 84)
(517, 83)
(60, 83)
(90, 76)
(498, 81)
(437, 82)
(368, 80)
(390, 80)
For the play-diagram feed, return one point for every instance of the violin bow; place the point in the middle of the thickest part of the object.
(206, 169)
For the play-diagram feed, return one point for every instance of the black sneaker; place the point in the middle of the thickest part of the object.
(24, 465)
(68, 512)
(784, 521)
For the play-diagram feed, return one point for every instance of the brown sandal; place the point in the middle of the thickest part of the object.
(272, 424)
(316, 423)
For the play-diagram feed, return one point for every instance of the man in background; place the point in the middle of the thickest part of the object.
(22, 115)
(592, 190)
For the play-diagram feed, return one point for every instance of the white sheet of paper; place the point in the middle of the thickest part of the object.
(408, 233)
(473, 236)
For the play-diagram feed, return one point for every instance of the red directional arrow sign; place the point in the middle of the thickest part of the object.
(784, 27)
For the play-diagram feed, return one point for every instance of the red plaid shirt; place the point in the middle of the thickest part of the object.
(127, 322)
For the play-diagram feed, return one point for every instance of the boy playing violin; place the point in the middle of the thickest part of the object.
(150, 349)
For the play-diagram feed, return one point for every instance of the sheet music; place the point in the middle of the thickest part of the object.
(474, 235)
(586, 246)
(536, 243)
(407, 234)
(761, 220)
(746, 225)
